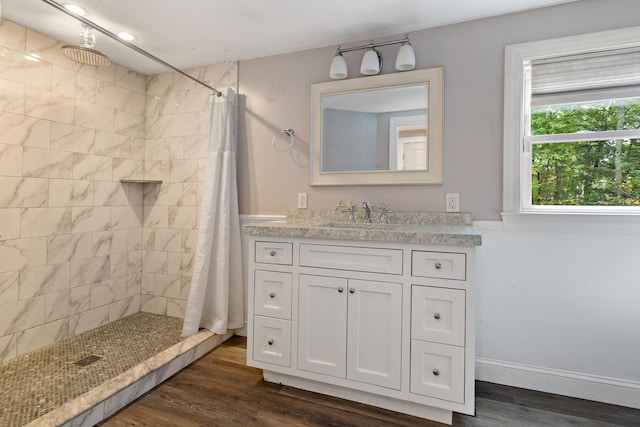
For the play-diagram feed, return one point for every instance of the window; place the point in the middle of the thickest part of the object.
(572, 125)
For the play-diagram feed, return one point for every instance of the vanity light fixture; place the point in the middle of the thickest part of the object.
(372, 60)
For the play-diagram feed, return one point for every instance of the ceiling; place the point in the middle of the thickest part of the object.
(194, 33)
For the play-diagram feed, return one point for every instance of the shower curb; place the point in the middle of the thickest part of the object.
(103, 401)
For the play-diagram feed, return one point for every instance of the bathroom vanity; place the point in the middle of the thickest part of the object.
(378, 314)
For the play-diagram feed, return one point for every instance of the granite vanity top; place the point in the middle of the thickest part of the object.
(451, 229)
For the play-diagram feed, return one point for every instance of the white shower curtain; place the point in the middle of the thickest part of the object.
(216, 294)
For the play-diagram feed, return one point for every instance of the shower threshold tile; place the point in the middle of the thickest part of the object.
(50, 381)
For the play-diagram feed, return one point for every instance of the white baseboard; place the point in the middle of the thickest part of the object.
(574, 384)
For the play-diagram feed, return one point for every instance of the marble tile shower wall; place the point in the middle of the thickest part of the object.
(78, 248)
(177, 128)
(71, 245)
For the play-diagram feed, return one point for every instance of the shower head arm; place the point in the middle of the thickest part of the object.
(128, 44)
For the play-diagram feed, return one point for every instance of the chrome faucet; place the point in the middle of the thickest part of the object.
(367, 212)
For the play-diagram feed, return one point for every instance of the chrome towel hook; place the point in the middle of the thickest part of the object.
(290, 133)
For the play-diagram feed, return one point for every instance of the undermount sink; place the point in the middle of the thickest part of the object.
(359, 225)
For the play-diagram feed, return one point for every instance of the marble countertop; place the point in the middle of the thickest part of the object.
(405, 227)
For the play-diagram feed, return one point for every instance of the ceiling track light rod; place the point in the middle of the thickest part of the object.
(127, 44)
(371, 44)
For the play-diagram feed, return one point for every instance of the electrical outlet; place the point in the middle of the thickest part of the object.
(302, 200)
(453, 202)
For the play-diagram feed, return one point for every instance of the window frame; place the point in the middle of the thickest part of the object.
(518, 58)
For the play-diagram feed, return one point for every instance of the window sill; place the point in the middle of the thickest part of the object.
(573, 222)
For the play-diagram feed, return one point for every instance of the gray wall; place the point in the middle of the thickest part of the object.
(275, 95)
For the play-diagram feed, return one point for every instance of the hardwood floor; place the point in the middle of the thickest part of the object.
(220, 390)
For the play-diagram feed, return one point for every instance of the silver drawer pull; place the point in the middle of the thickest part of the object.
(438, 265)
(352, 290)
(270, 342)
(272, 253)
(341, 289)
(436, 316)
(272, 295)
(436, 372)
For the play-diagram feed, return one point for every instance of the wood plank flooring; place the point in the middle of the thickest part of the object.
(220, 390)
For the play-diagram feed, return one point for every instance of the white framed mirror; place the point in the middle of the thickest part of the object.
(379, 130)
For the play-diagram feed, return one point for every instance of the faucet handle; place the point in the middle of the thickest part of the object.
(384, 210)
(384, 207)
(349, 206)
(339, 206)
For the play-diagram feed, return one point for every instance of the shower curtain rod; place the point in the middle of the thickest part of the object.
(126, 43)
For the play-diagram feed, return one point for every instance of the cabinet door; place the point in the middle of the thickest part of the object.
(322, 325)
(375, 332)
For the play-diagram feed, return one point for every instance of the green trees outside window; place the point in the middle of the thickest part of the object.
(586, 173)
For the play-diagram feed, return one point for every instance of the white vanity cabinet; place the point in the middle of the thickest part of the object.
(350, 328)
(388, 324)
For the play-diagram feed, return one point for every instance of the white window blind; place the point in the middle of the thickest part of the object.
(592, 71)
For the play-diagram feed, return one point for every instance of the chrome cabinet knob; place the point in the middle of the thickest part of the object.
(351, 290)
(436, 316)
(436, 372)
(270, 342)
(341, 289)
(272, 295)
(272, 253)
(438, 265)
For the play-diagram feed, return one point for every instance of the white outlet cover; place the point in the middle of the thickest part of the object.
(452, 202)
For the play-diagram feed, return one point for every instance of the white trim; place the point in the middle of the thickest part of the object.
(584, 136)
(557, 222)
(519, 56)
(489, 225)
(567, 383)
(394, 123)
(254, 219)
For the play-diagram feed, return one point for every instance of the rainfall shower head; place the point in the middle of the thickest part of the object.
(84, 53)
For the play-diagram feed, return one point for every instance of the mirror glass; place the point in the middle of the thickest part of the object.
(384, 129)
(375, 129)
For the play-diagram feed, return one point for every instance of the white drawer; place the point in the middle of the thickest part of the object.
(274, 253)
(272, 340)
(439, 265)
(374, 260)
(272, 294)
(437, 370)
(438, 314)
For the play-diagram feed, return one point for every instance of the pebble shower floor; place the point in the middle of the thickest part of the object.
(33, 384)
